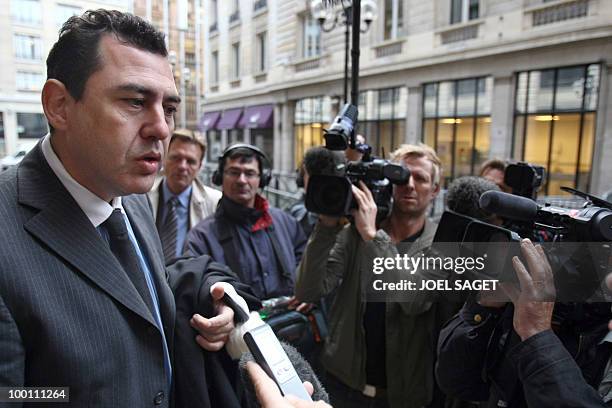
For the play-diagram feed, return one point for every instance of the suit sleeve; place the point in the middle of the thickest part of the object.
(12, 353)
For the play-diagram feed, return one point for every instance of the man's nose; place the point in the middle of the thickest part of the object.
(156, 125)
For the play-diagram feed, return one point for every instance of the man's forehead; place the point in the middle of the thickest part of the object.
(242, 161)
(417, 163)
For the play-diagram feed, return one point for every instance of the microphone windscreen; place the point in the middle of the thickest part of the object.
(463, 194)
(509, 205)
(303, 369)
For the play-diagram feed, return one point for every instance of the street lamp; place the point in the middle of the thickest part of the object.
(328, 20)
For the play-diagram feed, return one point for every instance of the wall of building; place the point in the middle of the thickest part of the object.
(509, 36)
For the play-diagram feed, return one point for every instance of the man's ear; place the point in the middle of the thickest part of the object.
(55, 98)
(435, 191)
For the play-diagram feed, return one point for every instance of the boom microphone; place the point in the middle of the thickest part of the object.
(303, 369)
(509, 205)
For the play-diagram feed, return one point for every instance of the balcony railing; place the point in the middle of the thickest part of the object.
(560, 11)
(311, 63)
(388, 49)
(463, 33)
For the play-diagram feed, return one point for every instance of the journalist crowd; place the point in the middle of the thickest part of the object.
(130, 281)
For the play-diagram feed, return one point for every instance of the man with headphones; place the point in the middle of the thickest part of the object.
(261, 244)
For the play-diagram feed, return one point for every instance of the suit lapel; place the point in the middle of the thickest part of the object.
(65, 229)
(147, 237)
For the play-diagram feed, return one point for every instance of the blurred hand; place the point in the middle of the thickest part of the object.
(299, 306)
(269, 396)
(365, 214)
(535, 301)
(214, 332)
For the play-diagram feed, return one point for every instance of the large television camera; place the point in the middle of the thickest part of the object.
(331, 194)
(577, 242)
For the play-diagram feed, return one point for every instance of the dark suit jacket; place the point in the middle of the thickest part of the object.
(69, 316)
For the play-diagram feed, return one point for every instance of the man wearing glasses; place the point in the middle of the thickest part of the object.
(262, 244)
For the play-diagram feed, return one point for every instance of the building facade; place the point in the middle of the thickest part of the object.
(29, 30)
(517, 79)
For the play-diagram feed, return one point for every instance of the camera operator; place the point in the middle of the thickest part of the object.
(317, 160)
(514, 356)
(377, 354)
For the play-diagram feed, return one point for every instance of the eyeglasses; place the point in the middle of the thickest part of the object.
(235, 173)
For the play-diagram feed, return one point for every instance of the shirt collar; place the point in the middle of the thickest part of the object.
(96, 209)
(608, 338)
(183, 197)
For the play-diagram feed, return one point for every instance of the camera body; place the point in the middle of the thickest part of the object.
(340, 135)
(524, 178)
(332, 194)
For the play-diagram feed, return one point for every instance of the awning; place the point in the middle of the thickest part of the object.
(229, 119)
(209, 120)
(257, 117)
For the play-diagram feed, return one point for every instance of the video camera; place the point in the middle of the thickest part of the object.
(524, 178)
(331, 194)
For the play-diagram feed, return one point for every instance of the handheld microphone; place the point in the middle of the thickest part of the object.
(303, 369)
(509, 205)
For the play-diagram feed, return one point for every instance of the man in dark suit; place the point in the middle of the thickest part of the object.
(84, 300)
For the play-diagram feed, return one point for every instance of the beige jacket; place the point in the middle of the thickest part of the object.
(203, 201)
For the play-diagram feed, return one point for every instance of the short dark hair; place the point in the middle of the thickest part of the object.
(76, 55)
(496, 164)
(245, 155)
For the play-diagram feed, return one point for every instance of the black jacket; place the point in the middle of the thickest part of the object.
(481, 358)
(202, 379)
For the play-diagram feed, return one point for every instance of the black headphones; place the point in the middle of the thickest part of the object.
(266, 168)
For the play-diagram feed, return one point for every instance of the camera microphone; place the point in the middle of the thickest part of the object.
(509, 205)
(303, 369)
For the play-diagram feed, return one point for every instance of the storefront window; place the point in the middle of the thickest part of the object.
(311, 116)
(382, 119)
(31, 125)
(457, 122)
(554, 123)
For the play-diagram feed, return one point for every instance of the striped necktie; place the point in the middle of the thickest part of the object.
(168, 231)
(123, 249)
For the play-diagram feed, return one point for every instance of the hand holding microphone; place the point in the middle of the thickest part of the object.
(269, 395)
(283, 367)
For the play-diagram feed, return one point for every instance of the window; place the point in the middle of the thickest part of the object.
(236, 60)
(463, 10)
(554, 123)
(311, 115)
(26, 12)
(262, 49)
(29, 81)
(214, 16)
(214, 68)
(312, 37)
(2, 150)
(31, 125)
(382, 118)
(63, 12)
(457, 122)
(394, 19)
(27, 47)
